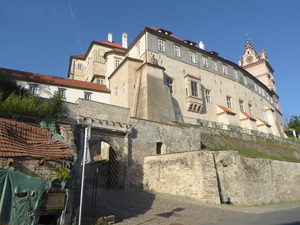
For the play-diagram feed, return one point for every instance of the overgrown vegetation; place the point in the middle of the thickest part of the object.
(63, 174)
(16, 100)
(294, 123)
(257, 154)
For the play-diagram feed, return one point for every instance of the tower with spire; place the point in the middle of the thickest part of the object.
(257, 64)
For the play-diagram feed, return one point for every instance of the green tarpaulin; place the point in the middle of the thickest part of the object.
(20, 197)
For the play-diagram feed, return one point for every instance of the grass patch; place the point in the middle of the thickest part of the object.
(257, 154)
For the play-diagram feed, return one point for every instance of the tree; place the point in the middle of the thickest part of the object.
(294, 123)
(8, 85)
(16, 100)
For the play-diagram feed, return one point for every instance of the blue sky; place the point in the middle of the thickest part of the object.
(40, 36)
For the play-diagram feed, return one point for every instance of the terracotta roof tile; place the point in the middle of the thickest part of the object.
(263, 122)
(112, 44)
(117, 50)
(248, 116)
(189, 75)
(18, 139)
(226, 109)
(39, 78)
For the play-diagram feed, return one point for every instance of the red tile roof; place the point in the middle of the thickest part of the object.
(79, 56)
(189, 75)
(263, 122)
(18, 139)
(112, 44)
(57, 81)
(226, 109)
(116, 50)
(248, 116)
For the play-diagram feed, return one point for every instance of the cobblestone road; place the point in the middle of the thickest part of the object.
(135, 207)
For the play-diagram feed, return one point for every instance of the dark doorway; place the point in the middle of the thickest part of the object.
(113, 169)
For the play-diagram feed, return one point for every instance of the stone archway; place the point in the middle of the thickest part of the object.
(107, 158)
(108, 140)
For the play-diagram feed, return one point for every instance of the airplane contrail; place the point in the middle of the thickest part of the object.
(73, 17)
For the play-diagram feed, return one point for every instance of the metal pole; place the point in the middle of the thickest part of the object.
(82, 174)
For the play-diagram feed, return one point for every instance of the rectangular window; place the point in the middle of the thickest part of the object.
(245, 80)
(177, 50)
(241, 103)
(229, 104)
(123, 87)
(214, 65)
(138, 49)
(117, 62)
(194, 89)
(170, 84)
(224, 68)
(161, 45)
(250, 109)
(193, 57)
(204, 61)
(265, 118)
(235, 74)
(100, 81)
(79, 66)
(62, 92)
(207, 96)
(33, 89)
(116, 91)
(87, 96)
(255, 86)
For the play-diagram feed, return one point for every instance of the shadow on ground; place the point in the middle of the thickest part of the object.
(123, 204)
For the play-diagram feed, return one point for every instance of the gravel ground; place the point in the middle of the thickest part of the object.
(136, 207)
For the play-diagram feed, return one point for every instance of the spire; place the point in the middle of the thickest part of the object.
(248, 47)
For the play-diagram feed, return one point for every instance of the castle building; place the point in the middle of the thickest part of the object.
(46, 86)
(163, 78)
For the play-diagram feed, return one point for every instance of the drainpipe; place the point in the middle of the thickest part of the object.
(87, 134)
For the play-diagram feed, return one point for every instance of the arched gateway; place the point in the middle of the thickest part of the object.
(108, 145)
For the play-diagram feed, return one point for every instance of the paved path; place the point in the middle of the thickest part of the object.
(135, 207)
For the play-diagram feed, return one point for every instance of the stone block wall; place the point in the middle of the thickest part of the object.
(207, 175)
(254, 181)
(33, 167)
(190, 174)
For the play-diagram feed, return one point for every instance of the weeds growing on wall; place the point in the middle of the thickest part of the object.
(257, 154)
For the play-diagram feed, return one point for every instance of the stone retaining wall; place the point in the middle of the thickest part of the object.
(207, 175)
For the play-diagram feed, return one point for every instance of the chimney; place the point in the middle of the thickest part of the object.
(124, 40)
(110, 38)
(201, 45)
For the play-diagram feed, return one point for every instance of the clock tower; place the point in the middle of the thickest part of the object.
(257, 64)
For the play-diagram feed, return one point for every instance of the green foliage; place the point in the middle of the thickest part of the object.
(257, 154)
(31, 105)
(63, 174)
(8, 86)
(294, 123)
